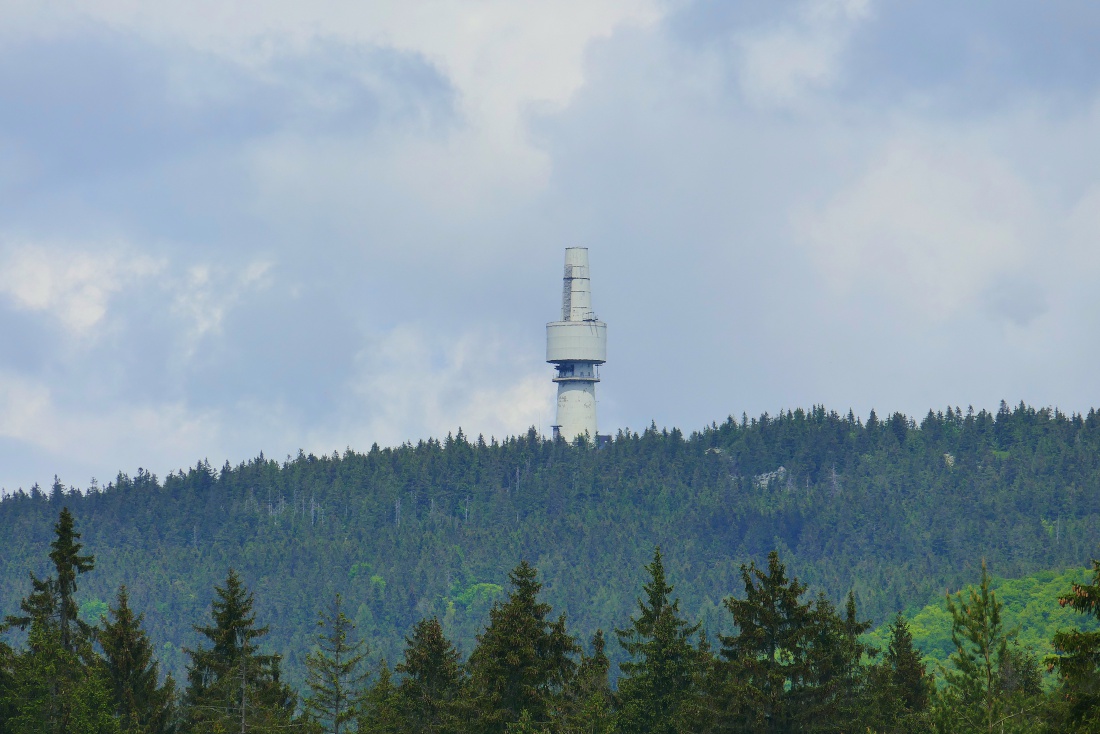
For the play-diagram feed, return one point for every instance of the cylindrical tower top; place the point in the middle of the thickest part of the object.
(576, 298)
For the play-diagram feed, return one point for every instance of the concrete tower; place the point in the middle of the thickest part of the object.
(576, 346)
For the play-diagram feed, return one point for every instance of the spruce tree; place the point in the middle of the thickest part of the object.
(143, 705)
(430, 695)
(58, 683)
(231, 685)
(522, 661)
(767, 660)
(591, 700)
(660, 677)
(379, 712)
(1077, 660)
(908, 676)
(335, 677)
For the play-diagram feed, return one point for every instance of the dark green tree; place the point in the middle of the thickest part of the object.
(907, 674)
(766, 662)
(57, 684)
(591, 701)
(658, 681)
(430, 694)
(142, 704)
(522, 661)
(231, 685)
(379, 713)
(335, 675)
(1077, 661)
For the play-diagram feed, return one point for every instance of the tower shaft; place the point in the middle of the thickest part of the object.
(576, 346)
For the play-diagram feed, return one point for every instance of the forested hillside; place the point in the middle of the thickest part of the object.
(894, 510)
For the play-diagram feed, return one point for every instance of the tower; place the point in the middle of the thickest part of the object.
(576, 346)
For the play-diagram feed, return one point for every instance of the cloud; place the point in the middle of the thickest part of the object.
(73, 286)
(411, 381)
(929, 225)
(782, 63)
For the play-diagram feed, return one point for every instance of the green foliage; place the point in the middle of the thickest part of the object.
(142, 704)
(852, 502)
(1077, 661)
(430, 696)
(523, 661)
(231, 685)
(335, 679)
(658, 681)
(1029, 604)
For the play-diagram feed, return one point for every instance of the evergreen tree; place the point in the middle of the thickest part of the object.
(335, 678)
(429, 696)
(659, 679)
(974, 698)
(231, 685)
(522, 661)
(1077, 662)
(143, 705)
(908, 677)
(591, 701)
(57, 685)
(379, 713)
(766, 661)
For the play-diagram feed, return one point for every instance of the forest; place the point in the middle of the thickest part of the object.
(874, 517)
(794, 663)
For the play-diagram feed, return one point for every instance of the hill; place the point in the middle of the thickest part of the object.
(894, 510)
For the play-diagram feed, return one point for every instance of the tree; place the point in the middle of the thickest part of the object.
(522, 661)
(379, 712)
(974, 696)
(907, 674)
(334, 677)
(792, 665)
(429, 696)
(52, 599)
(1077, 660)
(141, 703)
(231, 685)
(591, 702)
(660, 677)
(57, 683)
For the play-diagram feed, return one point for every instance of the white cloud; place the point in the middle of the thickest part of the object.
(928, 225)
(413, 385)
(781, 65)
(74, 286)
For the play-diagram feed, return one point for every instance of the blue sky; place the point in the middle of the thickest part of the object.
(233, 228)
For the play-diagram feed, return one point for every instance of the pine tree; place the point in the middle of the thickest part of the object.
(1077, 661)
(231, 685)
(429, 696)
(141, 703)
(974, 693)
(335, 678)
(660, 678)
(522, 661)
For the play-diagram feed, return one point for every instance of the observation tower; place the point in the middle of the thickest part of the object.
(576, 346)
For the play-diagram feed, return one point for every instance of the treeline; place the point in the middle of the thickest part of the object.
(892, 509)
(793, 662)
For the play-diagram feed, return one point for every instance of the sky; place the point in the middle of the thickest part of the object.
(235, 228)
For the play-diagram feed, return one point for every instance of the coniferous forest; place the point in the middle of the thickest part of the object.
(722, 581)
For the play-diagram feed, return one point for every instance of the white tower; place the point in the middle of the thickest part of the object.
(576, 346)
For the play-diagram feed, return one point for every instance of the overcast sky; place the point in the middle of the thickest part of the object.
(228, 228)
